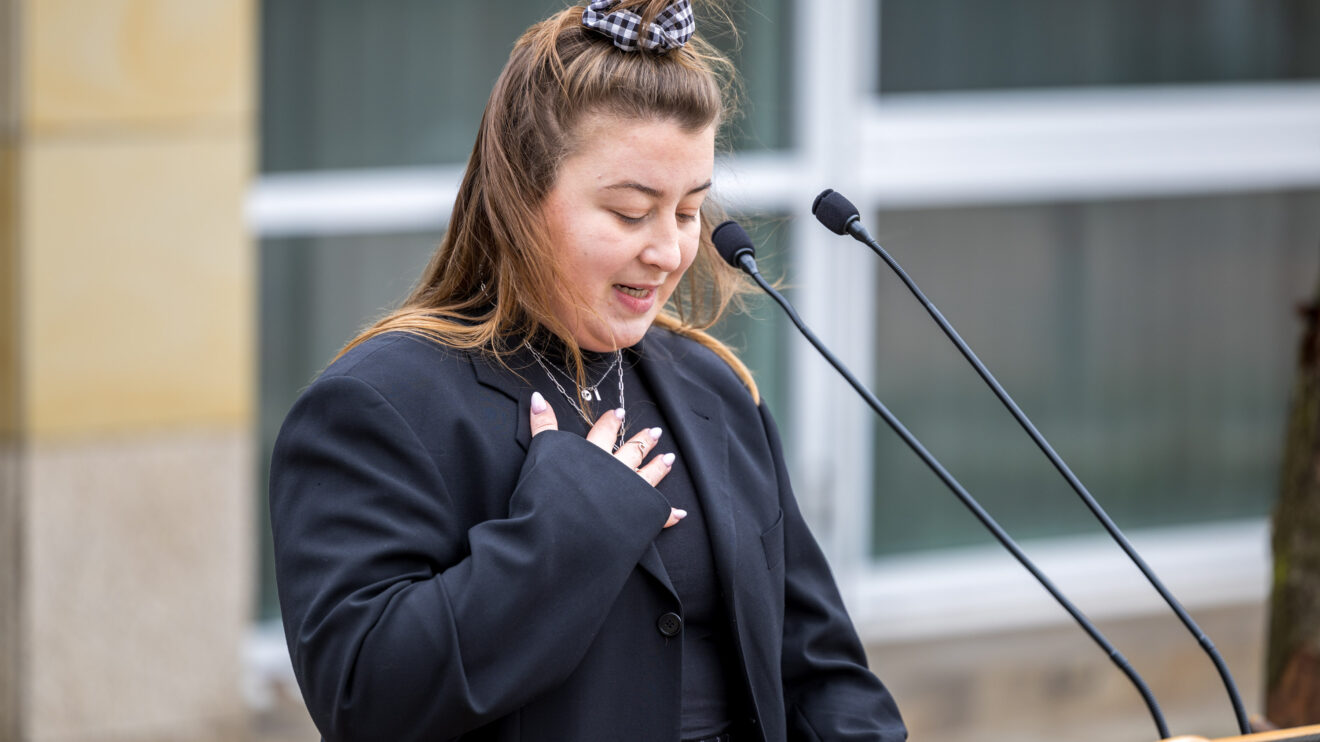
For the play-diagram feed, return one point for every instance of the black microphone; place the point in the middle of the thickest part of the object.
(735, 246)
(835, 211)
(841, 217)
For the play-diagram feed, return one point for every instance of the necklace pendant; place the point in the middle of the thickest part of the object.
(588, 392)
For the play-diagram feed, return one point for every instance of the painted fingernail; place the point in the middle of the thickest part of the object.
(680, 514)
(538, 403)
(668, 459)
(655, 434)
(619, 413)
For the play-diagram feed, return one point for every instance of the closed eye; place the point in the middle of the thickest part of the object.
(629, 219)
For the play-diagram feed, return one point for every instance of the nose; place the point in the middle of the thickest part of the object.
(664, 246)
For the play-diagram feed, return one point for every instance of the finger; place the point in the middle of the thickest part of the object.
(633, 452)
(543, 418)
(656, 469)
(675, 515)
(606, 430)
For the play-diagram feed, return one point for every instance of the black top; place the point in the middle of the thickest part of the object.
(709, 661)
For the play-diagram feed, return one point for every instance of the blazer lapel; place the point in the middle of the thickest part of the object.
(491, 374)
(696, 415)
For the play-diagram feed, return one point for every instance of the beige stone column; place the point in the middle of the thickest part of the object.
(126, 366)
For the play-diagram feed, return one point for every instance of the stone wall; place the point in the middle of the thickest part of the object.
(126, 366)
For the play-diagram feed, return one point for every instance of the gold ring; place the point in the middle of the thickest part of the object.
(641, 447)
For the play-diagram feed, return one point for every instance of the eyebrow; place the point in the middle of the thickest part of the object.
(654, 192)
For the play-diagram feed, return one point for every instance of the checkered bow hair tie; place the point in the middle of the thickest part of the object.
(671, 28)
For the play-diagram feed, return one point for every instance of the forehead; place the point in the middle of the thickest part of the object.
(608, 147)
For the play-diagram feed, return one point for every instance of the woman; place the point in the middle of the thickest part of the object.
(537, 502)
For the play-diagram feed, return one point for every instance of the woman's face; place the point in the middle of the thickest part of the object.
(624, 217)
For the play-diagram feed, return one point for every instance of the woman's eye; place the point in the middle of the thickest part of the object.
(687, 218)
(628, 219)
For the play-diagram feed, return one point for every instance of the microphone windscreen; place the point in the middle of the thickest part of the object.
(834, 211)
(732, 242)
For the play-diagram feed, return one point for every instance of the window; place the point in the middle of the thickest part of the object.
(1114, 202)
(1150, 341)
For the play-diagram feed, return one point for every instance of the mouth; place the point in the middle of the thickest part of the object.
(634, 291)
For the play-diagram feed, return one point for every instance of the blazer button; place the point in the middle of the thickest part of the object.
(669, 624)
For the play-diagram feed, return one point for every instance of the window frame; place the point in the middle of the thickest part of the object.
(927, 150)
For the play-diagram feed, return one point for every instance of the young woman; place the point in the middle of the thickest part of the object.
(538, 502)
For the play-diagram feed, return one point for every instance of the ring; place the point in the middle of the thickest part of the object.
(641, 447)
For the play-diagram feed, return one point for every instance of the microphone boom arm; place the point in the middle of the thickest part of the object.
(860, 233)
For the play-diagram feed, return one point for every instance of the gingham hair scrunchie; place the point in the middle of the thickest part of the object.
(671, 28)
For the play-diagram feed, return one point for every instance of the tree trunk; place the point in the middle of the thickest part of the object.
(1293, 669)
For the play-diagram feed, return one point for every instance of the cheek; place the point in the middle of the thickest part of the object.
(690, 248)
(576, 241)
(689, 256)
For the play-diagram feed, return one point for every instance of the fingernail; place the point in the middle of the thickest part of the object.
(619, 413)
(655, 434)
(538, 403)
(668, 459)
(680, 514)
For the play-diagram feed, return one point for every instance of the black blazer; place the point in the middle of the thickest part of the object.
(443, 575)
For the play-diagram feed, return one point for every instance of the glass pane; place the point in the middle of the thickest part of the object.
(764, 55)
(1152, 343)
(356, 84)
(934, 45)
(316, 293)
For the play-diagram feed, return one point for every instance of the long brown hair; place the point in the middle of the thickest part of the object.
(490, 283)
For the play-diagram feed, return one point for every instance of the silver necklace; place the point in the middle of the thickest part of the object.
(587, 392)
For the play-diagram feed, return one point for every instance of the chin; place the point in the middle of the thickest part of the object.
(613, 337)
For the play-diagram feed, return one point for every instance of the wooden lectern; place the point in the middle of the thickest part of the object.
(1296, 734)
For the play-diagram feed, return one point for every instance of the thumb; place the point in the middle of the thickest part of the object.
(543, 418)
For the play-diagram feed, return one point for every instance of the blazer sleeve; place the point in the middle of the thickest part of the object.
(390, 642)
(829, 693)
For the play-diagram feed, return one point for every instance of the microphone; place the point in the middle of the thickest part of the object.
(840, 216)
(834, 211)
(735, 246)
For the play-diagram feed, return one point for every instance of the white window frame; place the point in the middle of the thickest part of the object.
(916, 151)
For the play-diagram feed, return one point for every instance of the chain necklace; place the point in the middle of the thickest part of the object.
(588, 392)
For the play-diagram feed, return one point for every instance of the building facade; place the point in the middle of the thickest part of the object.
(1116, 203)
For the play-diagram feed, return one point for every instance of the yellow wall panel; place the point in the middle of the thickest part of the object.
(136, 61)
(10, 423)
(138, 277)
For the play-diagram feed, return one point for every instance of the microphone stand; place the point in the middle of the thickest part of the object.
(748, 264)
(860, 233)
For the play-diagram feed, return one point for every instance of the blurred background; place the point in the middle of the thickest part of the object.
(1116, 202)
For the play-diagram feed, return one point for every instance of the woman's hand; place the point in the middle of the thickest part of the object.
(603, 434)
